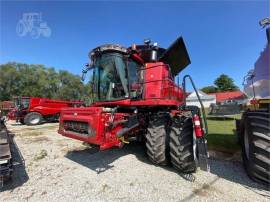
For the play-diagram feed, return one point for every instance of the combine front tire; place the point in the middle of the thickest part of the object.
(181, 145)
(157, 139)
(33, 118)
(255, 143)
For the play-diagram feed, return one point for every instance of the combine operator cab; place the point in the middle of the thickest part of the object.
(135, 98)
(111, 71)
(135, 73)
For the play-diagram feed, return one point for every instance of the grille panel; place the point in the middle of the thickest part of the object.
(79, 128)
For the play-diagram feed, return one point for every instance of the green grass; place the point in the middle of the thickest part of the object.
(222, 134)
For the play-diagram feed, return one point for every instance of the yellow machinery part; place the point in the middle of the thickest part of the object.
(122, 139)
(264, 101)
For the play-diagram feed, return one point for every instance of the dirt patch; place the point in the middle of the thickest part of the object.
(52, 127)
(114, 175)
(62, 144)
(42, 154)
(29, 129)
(38, 139)
(236, 156)
(77, 148)
(205, 190)
(29, 134)
(105, 187)
(200, 192)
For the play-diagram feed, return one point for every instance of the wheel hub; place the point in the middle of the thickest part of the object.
(34, 120)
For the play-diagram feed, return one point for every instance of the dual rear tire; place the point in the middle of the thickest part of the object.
(157, 140)
(182, 145)
(171, 141)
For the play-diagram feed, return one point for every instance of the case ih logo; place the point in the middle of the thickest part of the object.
(32, 23)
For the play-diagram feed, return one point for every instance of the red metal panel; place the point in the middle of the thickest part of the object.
(159, 84)
(49, 107)
(105, 136)
(45, 106)
(154, 74)
(90, 115)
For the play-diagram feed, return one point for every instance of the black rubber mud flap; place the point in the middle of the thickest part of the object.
(203, 154)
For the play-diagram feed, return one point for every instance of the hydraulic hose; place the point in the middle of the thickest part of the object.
(198, 96)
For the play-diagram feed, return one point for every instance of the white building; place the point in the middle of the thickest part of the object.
(206, 99)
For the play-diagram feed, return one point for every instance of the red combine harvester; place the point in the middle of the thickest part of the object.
(136, 99)
(34, 110)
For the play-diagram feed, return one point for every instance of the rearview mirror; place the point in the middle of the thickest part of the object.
(85, 70)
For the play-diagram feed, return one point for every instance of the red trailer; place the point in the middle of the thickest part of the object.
(34, 110)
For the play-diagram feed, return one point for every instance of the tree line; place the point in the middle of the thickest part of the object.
(222, 84)
(17, 79)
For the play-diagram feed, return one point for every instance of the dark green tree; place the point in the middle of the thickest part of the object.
(209, 89)
(225, 83)
(9, 81)
(70, 86)
(17, 79)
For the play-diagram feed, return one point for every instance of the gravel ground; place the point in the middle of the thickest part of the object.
(49, 167)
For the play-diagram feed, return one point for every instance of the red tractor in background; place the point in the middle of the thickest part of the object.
(136, 99)
(34, 110)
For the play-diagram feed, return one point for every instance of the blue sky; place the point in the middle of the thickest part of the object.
(221, 37)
